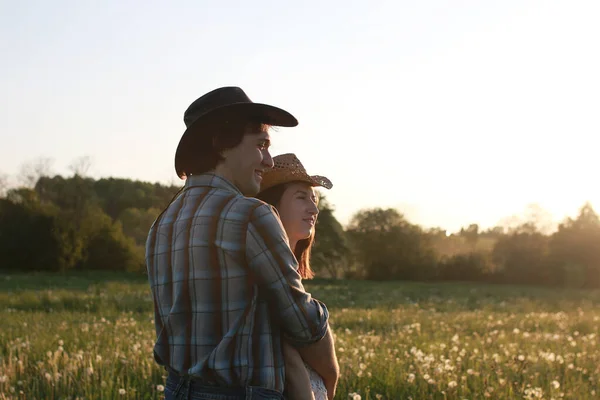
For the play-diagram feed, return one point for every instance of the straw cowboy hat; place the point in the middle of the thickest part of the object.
(228, 101)
(288, 168)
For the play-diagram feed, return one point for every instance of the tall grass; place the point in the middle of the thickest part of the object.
(91, 336)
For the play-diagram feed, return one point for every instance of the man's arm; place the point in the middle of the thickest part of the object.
(322, 358)
(273, 265)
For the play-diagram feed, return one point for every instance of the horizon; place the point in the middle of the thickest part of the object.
(531, 213)
(452, 114)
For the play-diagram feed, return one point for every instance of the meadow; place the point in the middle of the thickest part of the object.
(91, 336)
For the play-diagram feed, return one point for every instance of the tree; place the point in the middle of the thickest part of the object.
(330, 253)
(33, 170)
(534, 215)
(3, 185)
(575, 253)
(109, 249)
(136, 223)
(472, 266)
(28, 240)
(387, 246)
(471, 234)
(81, 166)
(521, 256)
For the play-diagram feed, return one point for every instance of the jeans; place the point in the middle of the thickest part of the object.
(179, 388)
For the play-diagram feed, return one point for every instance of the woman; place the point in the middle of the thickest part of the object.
(290, 190)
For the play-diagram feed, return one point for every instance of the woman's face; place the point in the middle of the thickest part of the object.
(298, 211)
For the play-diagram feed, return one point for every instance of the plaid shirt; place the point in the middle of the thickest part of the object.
(225, 287)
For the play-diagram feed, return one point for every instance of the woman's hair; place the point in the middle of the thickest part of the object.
(302, 251)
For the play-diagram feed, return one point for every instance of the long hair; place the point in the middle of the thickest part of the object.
(302, 251)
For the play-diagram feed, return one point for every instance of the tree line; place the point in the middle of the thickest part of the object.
(79, 223)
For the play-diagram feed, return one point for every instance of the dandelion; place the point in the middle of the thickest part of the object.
(122, 391)
(555, 384)
(160, 388)
(411, 378)
(452, 384)
(354, 396)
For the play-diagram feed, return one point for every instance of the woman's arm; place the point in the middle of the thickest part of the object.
(297, 382)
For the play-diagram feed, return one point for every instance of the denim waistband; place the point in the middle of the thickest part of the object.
(184, 386)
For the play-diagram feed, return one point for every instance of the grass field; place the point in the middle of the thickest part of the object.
(92, 337)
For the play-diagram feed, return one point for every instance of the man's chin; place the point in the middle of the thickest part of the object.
(251, 190)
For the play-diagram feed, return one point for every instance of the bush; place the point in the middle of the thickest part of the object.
(109, 249)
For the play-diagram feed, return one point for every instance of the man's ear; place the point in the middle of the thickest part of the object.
(216, 144)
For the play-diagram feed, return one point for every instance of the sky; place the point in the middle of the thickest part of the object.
(453, 112)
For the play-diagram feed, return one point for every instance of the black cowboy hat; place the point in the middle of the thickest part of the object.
(231, 101)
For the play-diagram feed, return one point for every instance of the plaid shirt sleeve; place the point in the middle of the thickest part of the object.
(302, 318)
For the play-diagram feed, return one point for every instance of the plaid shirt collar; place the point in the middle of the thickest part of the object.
(211, 179)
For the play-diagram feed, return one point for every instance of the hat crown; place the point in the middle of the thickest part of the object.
(214, 99)
(288, 161)
(288, 168)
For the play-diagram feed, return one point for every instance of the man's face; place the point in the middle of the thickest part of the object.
(245, 163)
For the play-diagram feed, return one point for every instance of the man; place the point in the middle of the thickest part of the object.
(223, 277)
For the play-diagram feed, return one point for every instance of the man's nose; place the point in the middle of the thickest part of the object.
(267, 159)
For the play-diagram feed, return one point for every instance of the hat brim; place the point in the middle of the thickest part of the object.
(313, 180)
(253, 112)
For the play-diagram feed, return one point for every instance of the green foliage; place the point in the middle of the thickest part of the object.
(118, 195)
(27, 238)
(521, 256)
(136, 223)
(474, 266)
(60, 225)
(389, 247)
(78, 223)
(331, 251)
(108, 248)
